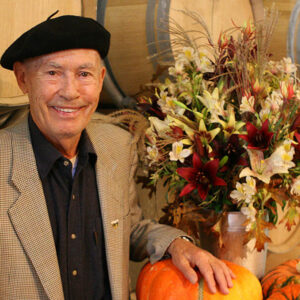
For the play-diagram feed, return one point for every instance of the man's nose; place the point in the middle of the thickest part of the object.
(69, 87)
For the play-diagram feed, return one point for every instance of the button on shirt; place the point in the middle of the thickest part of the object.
(74, 211)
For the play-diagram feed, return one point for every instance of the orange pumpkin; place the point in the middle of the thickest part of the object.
(282, 280)
(291, 292)
(163, 281)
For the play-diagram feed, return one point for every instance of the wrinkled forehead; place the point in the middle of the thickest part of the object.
(76, 58)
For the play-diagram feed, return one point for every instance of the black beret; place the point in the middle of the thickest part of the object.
(61, 33)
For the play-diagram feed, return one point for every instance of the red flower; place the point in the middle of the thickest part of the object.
(222, 41)
(232, 149)
(297, 146)
(198, 145)
(200, 176)
(152, 108)
(296, 123)
(258, 139)
(291, 92)
(176, 133)
(287, 91)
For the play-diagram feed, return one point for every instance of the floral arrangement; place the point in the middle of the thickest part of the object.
(224, 132)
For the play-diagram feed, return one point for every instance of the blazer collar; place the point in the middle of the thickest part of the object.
(29, 214)
(111, 208)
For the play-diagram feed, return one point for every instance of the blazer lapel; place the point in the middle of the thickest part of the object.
(29, 215)
(110, 209)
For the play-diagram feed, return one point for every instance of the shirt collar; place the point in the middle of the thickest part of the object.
(46, 154)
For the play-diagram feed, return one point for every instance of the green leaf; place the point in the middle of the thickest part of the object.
(220, 84)
(182, 105)
(223, 161)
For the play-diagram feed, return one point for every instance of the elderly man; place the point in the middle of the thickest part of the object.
(69, 214)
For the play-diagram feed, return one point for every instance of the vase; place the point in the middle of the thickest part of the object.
(233, 248)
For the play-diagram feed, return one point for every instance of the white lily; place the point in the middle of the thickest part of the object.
(278, 163)
(168, 105)
(214, 104)
(295, 188)
(275, 101)
(244, 192)
(264, 114)
(167, 85)
(250, 186)
(238, 194)
(177, 69)
(160, 127)
(203, 64)
(271, 107)
(153, 154)
(189, 53)
(287, 66)
(178, 153)
(283, 155)
(247, 104)
(250, 213)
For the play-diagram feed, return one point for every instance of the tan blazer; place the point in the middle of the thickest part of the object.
(28, 263)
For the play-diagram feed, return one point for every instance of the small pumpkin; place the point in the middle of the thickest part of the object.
(163, 281)
(290, 292)
(283, 281)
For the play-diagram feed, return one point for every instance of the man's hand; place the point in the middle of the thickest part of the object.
(186, 256)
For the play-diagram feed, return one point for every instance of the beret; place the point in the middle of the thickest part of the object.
(57, 34)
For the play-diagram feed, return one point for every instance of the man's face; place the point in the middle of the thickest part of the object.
(63, 90)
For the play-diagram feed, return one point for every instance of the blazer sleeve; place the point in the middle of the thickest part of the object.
(147, 238)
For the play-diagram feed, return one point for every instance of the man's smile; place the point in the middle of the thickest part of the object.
(66, 109)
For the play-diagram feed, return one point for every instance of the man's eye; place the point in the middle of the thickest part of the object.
(84, 74)
(51, 73)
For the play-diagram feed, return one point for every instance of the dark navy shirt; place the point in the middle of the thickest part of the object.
(74, 211)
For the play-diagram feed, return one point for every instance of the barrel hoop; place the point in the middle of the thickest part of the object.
(162, 25)
(150, 33)
(291, 32)
(117, 92)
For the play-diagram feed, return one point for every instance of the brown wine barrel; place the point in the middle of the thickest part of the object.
(286, 31)
(217, 15)
(293, 37)
(137, 32)
(16, 17)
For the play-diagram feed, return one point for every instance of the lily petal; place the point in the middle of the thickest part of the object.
(186, 173)
(212, 167)
(219, 181)
(197, 163)
(203, 191)
(187, 189)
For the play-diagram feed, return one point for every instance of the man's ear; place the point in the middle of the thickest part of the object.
(20, 73)
(102, 75)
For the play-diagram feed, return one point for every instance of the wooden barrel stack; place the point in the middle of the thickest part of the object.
(136, 31)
